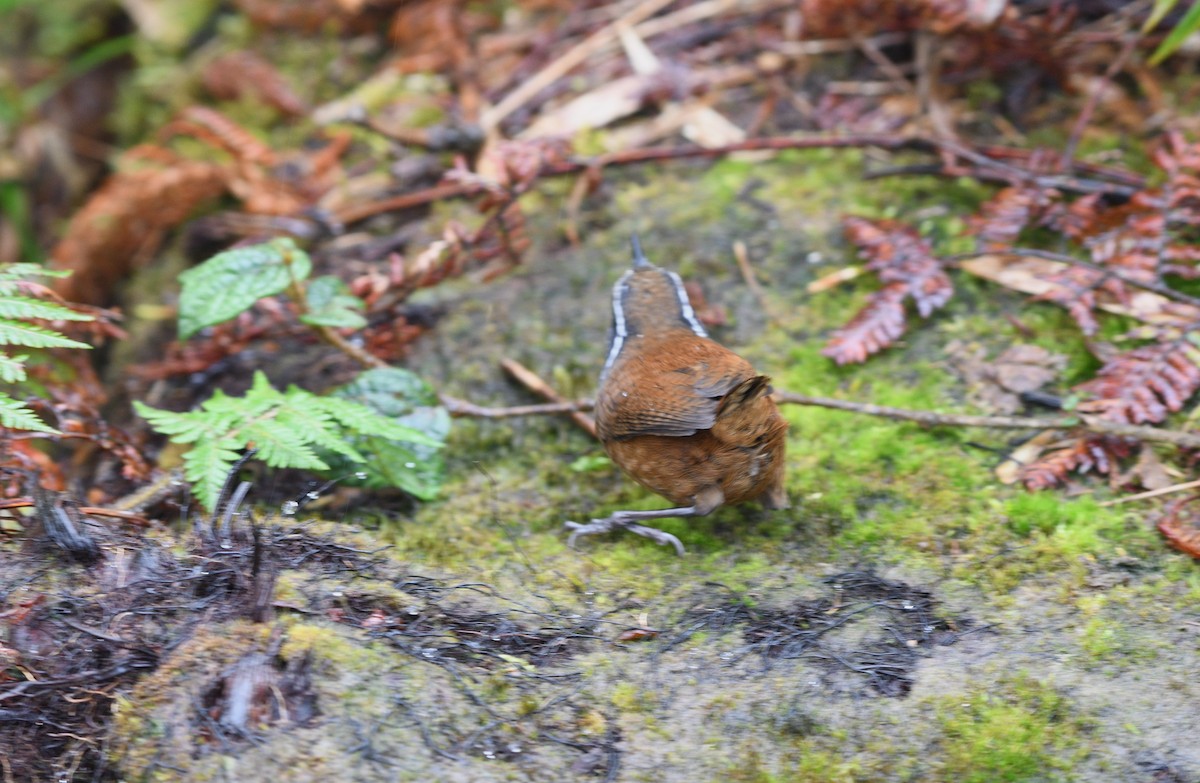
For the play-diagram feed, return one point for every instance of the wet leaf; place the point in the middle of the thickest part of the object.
(330, 303)
(400, 395)
(230, 283)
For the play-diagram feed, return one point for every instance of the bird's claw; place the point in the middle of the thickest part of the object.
(608, 524)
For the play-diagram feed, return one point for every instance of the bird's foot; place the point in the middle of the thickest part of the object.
(622, 520)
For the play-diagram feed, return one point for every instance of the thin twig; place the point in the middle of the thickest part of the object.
(991, 165)
(1153, 493)
(571, 59)
(1089, 108)
(530, 380)
(1100, 426)
(1147, 285)
(356, 211)
(462, 408)
(935, 419)
(330, 335)
(743, 262)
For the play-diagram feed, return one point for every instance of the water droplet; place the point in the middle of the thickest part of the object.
(289, 508)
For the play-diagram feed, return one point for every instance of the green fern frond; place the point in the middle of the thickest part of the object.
(25, 271)
(16, 415)
(25, 307)
(281, 447)
(12, 368)
(360, 419)
(29, 336)
(18, 311)
(206, 465)
(292, 429)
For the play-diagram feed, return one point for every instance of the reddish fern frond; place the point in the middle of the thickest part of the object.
(1089, 453)
(246, 73)
(1075, 289)
(897, 252)
(878, 325)
(1181, 261)
(1003, 217)
(906, 265)
(1144, 385)
(1183, 534)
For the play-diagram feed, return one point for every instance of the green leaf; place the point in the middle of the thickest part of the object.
(318, 425)
(16, 415)
(330, 303)
(29, 336)
(207, 464)
(298, 429)
(418, 468)
(27, 307)
(359, 418)
(19, 272)
(186, 427)
(1160, 10)
(590, 463)
(229, 283)
(12, 368)
(281, 447)
(1187, 25)
(16, 311)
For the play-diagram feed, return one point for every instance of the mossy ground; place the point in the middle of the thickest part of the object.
(1080, 596)
(1071, 645)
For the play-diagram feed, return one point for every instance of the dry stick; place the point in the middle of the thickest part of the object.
(1089, 108)
(1004, 172)
(462, 408)
(934, 419)
(1148, 285)
(891, 142)
(1189, 440)
(1153, 493)
(91, 511)
(530, 380)
(354, 212)
(743, 262)
(572, 58)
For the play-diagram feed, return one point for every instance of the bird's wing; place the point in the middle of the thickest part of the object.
(675, 393)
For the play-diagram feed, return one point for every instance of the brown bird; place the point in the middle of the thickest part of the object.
(683, 416)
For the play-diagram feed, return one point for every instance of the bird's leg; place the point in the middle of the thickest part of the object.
(628, 520)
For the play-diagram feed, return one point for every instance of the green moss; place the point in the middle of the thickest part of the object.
(1020, 731)
(627, 697)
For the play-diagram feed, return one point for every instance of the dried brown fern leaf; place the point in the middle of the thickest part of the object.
(1084, 454)
(1182, 533)
(124, 221)
(248, 74)
(214, 128)
(1075, 289)
(906, 265)
(878, 325)
(312, 16)
(1144, 385)
(1003, 217)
